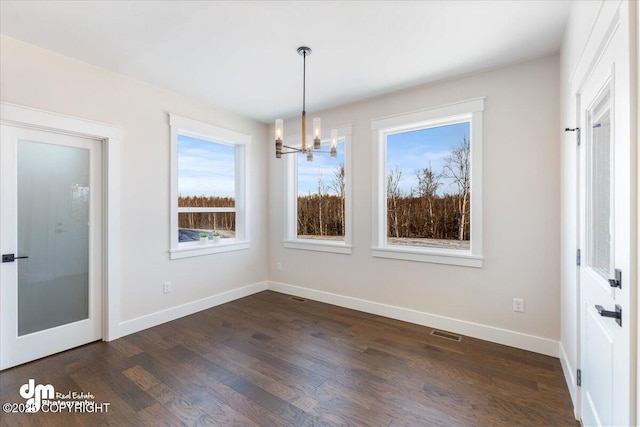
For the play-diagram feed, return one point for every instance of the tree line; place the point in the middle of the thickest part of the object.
(435, 217)
(206, 220)
(322, 213)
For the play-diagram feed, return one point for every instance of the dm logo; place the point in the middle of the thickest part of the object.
(35, 394)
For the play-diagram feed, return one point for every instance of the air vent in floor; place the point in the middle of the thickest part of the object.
(446, 335)
(297, 299)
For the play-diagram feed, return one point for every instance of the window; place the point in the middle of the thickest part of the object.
(318, 197)
(428, 167)
(208, 188)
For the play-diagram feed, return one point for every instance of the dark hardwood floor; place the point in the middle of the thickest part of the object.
(267, 360)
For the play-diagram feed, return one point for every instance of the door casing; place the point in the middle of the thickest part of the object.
(110, 137)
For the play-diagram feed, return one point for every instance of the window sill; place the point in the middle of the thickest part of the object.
(339, 247)
(442, 256)
(187, 250)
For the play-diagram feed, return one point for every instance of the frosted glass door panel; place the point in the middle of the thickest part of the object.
(53, 231)
(599, 170)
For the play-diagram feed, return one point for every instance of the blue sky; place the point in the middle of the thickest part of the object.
(323, 165)
(410, 151)
(205, 168)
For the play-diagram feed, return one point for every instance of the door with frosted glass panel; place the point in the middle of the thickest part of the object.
(50, 236)
(606, 271)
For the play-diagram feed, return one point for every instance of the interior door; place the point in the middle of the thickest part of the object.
(605, 233)
(50, 237)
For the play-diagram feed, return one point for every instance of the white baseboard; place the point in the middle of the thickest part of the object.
(159, 317)
(570, 378)
(475, 330)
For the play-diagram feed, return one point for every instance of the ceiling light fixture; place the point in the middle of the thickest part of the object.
(317, 133)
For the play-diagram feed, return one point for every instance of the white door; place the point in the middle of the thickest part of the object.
(605, 239)
(50, 239)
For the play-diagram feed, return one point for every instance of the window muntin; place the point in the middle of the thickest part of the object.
(388, 134)
(208, 188)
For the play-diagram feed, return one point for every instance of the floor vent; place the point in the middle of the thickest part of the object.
(298, 299)
(446, 335)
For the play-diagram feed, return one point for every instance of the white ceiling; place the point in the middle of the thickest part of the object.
(241, 55)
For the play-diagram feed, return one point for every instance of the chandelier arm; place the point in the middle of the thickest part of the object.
(298, 150)
(291, 152)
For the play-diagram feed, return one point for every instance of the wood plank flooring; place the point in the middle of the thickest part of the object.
(267, 360)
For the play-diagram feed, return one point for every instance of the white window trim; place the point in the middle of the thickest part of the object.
(291, 239)
(242, 142)
(381, 127)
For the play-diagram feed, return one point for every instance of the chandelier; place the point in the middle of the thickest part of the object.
(304, 52)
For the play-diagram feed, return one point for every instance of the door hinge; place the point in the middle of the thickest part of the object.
(579, 377)
(578, 257)
(577, 131)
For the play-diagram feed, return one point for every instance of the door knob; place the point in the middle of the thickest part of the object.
(614, 314)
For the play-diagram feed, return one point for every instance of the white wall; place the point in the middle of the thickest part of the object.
(521, 209)
(41, 79)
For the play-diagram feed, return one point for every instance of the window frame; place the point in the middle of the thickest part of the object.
(422, 119)
(291, 239)
(218, 135)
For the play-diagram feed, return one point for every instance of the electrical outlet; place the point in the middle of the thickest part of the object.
(279, 266)
(518, 305)
(166, 287)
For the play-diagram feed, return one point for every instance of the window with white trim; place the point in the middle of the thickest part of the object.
(208, 188)
(318, 196)
(428, 177)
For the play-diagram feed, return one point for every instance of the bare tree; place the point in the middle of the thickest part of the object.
(428, 184)
(322, 189)
(457, 167)
(338, 185)
(393, 196)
